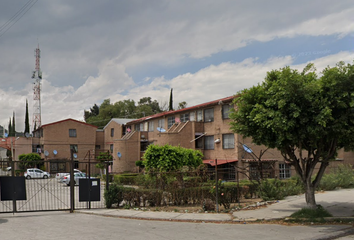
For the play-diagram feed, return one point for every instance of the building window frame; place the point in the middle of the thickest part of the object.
(209, 142)
(226, 109)
(170, 121)
(72, 132)
(284, 171)
(199, 115)
(228, 141)
(184, 117)
(74, 148)
(151, 126)
(112, 132)
(209, 115)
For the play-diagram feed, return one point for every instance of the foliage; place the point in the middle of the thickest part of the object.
(319, 212)
(29, 160)
(101, 115)
(126, 179)
(182, 105)
(297, 113)
(341, 177)
(169, 158)
(114, 195)
(139, 163)
(271, 190)
(170, 104)
(103, 157)
(27, 126)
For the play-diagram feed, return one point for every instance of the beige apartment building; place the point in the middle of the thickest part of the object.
(55, 141)
(204, 127)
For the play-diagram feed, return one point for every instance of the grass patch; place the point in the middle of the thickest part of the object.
(311, 214)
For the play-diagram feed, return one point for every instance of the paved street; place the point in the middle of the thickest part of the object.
(63, 225)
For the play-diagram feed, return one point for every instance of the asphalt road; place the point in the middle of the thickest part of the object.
(64, 225)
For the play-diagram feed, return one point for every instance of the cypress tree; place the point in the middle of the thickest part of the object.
(27, 127)
(9, 133)
(170, 108)
(13, 125)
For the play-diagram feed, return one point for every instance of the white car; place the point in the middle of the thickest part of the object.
(36, 173)
(77, 176)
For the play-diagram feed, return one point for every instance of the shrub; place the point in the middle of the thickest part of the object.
(271, 190)
(126, 178)
(114, 195)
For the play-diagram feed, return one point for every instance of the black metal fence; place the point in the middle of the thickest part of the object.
(30, 188)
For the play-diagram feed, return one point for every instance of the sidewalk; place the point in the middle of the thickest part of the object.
(339, 203)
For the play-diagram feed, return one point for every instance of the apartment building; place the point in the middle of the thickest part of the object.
(55, 141)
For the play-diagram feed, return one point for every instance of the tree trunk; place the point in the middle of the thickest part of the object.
(310, 194)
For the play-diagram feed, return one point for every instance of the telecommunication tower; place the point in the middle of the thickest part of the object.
(37, 76)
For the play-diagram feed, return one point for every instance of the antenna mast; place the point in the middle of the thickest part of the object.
(37, 75)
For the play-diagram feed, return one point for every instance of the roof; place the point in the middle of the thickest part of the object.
(219, 161)
(65, 120)
(203, 105)
(121, 121)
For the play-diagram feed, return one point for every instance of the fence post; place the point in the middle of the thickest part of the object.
(107, 175)
(217, 185)
(14, 206)
(72, 184)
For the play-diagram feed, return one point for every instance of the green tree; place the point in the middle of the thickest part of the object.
(103, 157)
(169, 158)
(170, 108)
(13, 125)
(27, 127)
(182, 105)
(308, 118)
(29, 160)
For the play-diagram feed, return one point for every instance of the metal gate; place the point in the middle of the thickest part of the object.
(21, 191)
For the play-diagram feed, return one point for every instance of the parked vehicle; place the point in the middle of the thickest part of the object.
(36, 173)
(77, 176)
(60, 176)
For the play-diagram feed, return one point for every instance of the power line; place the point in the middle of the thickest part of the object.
(15, 18)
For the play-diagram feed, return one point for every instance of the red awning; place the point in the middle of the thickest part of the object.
(220, 162)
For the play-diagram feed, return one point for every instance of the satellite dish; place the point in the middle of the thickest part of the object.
(46, 153)
(161, 129)
(119, 154)
(247, 149)
(75, 155)
(27, 135)
(55, 152)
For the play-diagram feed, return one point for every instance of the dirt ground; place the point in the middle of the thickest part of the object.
(245, 204)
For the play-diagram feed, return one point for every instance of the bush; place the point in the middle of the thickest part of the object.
(125, 179)
(271, 190)
(114, 195)
(342, 177)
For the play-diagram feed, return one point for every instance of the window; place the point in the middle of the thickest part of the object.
(137, 127)
(199, 115)
(161, 123)
(111, 148)
(209, 142)
(151, 126)
(228, 141)
(209, 115)
(72, 132)
(199, 143)
(184, 117)
(284, 171)
(98, 146)
(74, 148)
(226, 111)
(192, 116)
(112, 132)
(170, 121)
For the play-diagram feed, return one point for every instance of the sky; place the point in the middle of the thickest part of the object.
(204, 49)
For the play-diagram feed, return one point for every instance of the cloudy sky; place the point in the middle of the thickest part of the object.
(128, 49)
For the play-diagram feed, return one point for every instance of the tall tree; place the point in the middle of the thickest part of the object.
(182, 105)
(10, 128)
(171, 101)
(13, 125)
(308, 118)
(27, 126)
